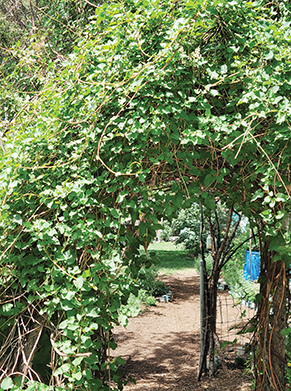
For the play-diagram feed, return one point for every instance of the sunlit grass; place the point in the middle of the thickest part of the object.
(172, 258)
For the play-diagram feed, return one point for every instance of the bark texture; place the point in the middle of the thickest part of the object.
(270, 347)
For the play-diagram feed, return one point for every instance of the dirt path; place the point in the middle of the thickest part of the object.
(161, 346)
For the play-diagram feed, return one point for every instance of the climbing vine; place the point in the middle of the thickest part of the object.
(154, 106)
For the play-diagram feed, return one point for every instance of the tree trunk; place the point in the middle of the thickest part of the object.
(212, 320)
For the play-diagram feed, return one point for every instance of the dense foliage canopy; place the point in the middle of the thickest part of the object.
(132, 112)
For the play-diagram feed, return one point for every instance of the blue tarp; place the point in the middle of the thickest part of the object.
(252, 265)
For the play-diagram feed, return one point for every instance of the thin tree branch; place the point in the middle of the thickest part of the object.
(237, 248)
(229, 220)
(93, 5)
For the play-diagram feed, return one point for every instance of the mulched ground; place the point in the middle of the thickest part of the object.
(162, 345)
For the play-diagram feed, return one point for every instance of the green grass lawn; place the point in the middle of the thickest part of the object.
(172, 258)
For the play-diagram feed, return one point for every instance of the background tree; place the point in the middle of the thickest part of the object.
(185, 228)
(221, 251)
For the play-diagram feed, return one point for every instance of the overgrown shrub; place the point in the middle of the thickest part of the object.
(190, 239)
(147, 280)
(167, 231)
(148, 287)
(186, 227)
(245, 290)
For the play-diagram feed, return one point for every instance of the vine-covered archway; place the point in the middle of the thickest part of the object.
(157, 105)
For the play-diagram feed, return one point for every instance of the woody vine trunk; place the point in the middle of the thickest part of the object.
(270, 354)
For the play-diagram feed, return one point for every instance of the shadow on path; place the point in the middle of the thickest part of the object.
(162, 347)
(183, 288)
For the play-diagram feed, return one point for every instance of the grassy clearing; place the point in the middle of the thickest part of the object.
(172, 258)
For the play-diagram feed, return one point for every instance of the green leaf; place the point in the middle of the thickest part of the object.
(209, 179)
(286, 332)
(42, 387)
(77, 375)
(7, 383)
(88, 374)
(64, 369)
(142, 228)
(17, 219)
(78, 360)
(7, 309)
(269, 55)
(120, 361)
(79, 282)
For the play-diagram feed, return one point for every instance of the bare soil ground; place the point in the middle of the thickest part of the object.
(161, 346)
